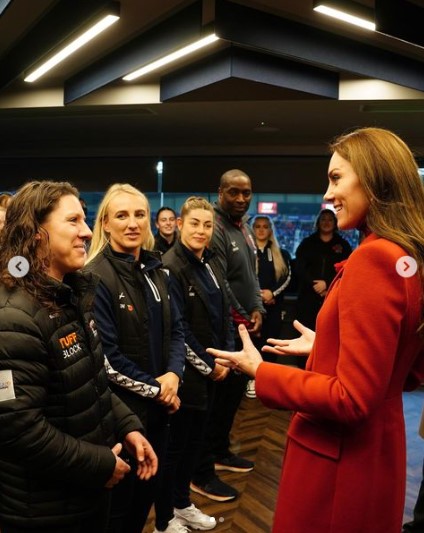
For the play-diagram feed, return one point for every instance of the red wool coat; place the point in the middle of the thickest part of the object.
(345, 464)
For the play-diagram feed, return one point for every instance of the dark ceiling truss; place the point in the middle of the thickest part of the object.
(56, 26)
(175, 32)
(262, 47)
(310, 59)
(401, 19)
(269, 33)
(237, 63)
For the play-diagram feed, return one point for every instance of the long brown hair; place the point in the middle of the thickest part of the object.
(389, 175)
(31, 206)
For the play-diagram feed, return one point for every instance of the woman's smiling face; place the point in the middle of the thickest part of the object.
(346, 194)
(196, 228)
(65, 234)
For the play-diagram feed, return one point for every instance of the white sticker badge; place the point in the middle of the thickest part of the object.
(7, 391)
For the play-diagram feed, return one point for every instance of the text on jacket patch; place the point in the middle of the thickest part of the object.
(7, 391)
(69, 345)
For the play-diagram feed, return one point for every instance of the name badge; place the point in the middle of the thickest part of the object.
(7, 391)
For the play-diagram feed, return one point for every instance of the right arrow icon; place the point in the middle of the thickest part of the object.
(406, 266)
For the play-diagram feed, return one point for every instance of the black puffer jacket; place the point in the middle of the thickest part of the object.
(59, 421)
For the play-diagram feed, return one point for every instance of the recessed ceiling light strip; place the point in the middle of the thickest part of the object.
(171, 57)
(72, 47)
(345, 16)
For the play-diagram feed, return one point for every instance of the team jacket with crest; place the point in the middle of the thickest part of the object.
(58, 418)
(198, 288)
(235, 247)
(140, 326)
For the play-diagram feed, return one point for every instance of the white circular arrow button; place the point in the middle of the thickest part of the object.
(406, 266)
(18, 266)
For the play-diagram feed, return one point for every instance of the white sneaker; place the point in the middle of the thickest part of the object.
(174, 526)
(251, 389)
(194, 518)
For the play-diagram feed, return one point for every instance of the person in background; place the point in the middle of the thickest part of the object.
(198, 289)
(234, 245)
(61, 428)
(345, 453)
(316, 256)
(274, 273)
(141, 331)
(166, 224)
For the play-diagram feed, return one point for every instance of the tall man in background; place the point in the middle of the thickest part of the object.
(234, 244)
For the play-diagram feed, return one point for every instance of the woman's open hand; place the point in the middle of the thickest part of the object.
(246, 361)
(300, 346)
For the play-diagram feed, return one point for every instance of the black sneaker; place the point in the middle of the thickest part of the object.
(215, 490)
(234, 463)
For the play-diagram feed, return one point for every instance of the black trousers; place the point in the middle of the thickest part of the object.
(185, 442)
(132, 498)
(228, 395)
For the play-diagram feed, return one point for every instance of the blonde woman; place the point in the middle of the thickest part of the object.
(274, 274)
(198, 287)
(141, 332)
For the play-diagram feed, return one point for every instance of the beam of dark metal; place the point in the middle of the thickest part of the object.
(400, 19)
(253, 66)
(263, 31)
(173, 33)
(56, 26)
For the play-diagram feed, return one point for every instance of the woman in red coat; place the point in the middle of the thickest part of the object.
(344, 467)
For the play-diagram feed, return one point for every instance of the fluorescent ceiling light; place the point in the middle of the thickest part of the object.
(72, 47)
(344, 14)
(171, 57)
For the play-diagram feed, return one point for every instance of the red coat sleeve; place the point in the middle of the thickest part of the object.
(366, 342)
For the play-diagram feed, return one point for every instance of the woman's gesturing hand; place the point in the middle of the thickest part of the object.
(300, 346)
(246, 361)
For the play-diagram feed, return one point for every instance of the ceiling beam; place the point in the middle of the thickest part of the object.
(400, 19)
(299, 42)
(175, 32)
(55, 27)
(236, 63)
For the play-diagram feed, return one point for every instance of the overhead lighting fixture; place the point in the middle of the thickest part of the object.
(347, 11)
(72, 47)
(3, 5)
(171, 57)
